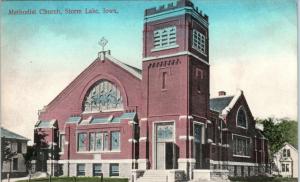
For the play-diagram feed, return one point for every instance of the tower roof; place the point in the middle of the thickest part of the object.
(178, 5)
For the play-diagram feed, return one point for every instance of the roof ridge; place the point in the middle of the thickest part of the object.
(20, 136)
(220, 97)
(130, 69)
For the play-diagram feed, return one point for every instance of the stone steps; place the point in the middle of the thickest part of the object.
(154, 176)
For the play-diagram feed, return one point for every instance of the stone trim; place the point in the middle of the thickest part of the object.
(85, 161)
(176, 54)
(234, 163)
(142, 160)
(187, 160)
(131, 122)
(132, 140)
(185, 117)
(144, 119)
(142, 139)
(184, 137)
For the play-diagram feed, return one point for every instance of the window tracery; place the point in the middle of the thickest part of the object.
(241, 119)
(104, 96)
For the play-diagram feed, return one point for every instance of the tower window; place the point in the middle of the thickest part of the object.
(165, 37)
(199, 41)
(164, 76)
(199, 79)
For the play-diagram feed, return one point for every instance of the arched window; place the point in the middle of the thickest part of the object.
(241, 119)
(103, 96)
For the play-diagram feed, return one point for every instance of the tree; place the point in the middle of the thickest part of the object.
(29, 156)
(6, 153)
(279, 131)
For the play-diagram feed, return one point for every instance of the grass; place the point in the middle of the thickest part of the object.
(262, 179)
(78, 179)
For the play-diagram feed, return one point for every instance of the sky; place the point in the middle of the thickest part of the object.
(253, 47)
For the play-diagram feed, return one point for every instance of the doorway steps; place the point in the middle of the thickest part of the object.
(154, 176)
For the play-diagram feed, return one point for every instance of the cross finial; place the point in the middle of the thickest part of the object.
(103, 43)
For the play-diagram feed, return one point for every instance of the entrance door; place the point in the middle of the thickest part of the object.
(164, 144)
(160, 155)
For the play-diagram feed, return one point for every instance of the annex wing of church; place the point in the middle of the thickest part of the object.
(119, 120)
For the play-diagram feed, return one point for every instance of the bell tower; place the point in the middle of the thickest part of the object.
(175, 77)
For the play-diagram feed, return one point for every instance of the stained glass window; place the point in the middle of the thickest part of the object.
(241, 146)
(164, 132)
(104, 96)
(99, 141)
(92, 141)
(242, 118)
(115, 140)
(81, 143)
(197, 133)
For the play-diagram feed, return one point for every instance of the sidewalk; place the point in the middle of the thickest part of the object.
(15, 179)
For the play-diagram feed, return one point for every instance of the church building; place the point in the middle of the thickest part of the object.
(158, 123)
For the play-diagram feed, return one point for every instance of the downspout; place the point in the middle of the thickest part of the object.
(52, 146)
(69, 152)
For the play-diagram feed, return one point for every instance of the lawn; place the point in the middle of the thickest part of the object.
(262, 179)
(77, 179)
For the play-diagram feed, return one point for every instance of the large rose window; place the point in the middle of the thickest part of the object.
(103, 96)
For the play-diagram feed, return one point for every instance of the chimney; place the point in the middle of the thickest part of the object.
(222, 93)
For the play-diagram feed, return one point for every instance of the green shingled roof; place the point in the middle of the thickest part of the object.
(130, 115)
(45, 123)
(11, 135)
(219, 103)
(74, 119)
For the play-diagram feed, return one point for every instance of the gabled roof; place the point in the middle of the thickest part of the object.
(46, 124)
(11, 135)
(219, 103)
(73, 119)
(133, 70)
(224, 104)
(286, 143)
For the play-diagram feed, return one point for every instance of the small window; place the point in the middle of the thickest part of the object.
(19, 147)
(80, 169)
(287, 168)
(97, 169)
(242, 171)
(165, 37)
(286, 153)
(115, 140)
(241, 119)
(199, 42)
(249, 171)
(15, 164)
(283, 167)
(62, 143)
(114, 169)
(164, 76)
(199, 78)
(81, 143)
